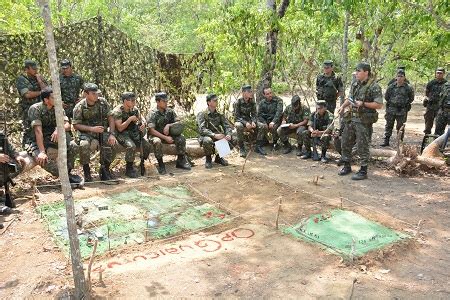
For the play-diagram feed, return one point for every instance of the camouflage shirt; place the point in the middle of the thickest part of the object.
(40, 115)
(270, 111)
(70, 88)
(24, 85)
(433, 91)
(398, 98)
(445, 97)
(327, 87)
(319, 122)
(245, 111)
(158, 120)
(119, 113)
(210, 123)
(95, 115)
(296, 116)
(366, 91)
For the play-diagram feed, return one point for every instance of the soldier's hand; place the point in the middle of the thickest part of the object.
(97, 129)
(271, 124)
(166, 129)
(292, 126)
(21, 161)
(142, 127)
(42, 159)
(248, 125)
(112, 140)
(253, 125)
(228, 137)
(133, 119)
(169, 139)
(4, 158)
(54, 137)
(358, 103)
(219, 136)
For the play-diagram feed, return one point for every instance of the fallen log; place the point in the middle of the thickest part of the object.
(433, 149)
(392, 155)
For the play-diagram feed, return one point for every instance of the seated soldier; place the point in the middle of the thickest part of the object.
(297, 116)
(43, 145)
(165, 127)
(91, 117)
(212, 126)
(317, 124)
(130, 131)
(270, 110)
(246, 121)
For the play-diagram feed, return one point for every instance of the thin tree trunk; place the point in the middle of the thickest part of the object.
(81, 289)
(345, 52)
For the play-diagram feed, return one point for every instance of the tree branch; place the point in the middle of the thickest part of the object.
(283, 7)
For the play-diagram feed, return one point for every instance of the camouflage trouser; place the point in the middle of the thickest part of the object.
(132, 145)
(208, 144)
(331, 105)
(52, 154)
(429, 116)
(307, 139)
(179, 141)
(263, 129)
(69, 110)
(442, 120)
(284, 134)
(359, 132)
(89, 144)
(241, 131)
(390, 119)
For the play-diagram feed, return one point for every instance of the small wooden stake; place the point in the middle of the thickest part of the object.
(109, 241)
(278, 214)
(342, 200)
(91, 260)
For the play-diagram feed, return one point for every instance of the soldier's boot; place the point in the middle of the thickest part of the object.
(324, 157)
(75, 180)
(361, 174)
(307, 154)
(276, 146)
(208, 162)
(315, 155)
(161, 166)
(182, 163)
(105, 172)
(9, 201)
(259, 148)
(347, 169)
(221, 161)
(287, 147)
(385, 142)
(190, 161)
(130, 171)
(87, 173)
(299, 150)
(242, 151)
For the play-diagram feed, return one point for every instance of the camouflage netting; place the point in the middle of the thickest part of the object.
(105, 55)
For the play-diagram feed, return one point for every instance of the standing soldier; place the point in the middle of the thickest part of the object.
(43, 144)
(71, 85)
(29, 85)
(443, 116)
(329, 86)
(91, 117)
(130, 131)
(365, 98)
(431, 102)
(320, 120)
(212, 126)
(296, 116)
(399, 96)
(270, 110)
(165, 127)
(394, 80)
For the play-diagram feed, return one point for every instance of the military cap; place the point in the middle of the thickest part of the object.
(127, 95)
(65, 63)
(210, 97)
(161, 96)
(328, 63)
(246, 88)
(440, 69)
(30, 63)
(295, 100)
(46, 92)
(321, 103)
(401, 68)
(90, 87)
(363, 66)
(401, 72)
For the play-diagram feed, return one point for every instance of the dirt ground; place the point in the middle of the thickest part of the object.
(248, 257)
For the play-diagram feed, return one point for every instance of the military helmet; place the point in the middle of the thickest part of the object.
(176, 129)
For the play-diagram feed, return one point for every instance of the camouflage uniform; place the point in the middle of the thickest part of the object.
(70, 91)
(24, 85)
(39, 114)
(210, 123)
(327, 88)
(245, 112)
(433, 91)
(269, 111)
(96, 115)
(294, 117)
(320, 123)
(443, 116)
(130, 138)
(12, 153)
(358, 123)
(398, 103)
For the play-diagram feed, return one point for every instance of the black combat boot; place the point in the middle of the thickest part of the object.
(324, 157)
(208, 162)
(347, 169)
(75, 180)
(221, 161)
(299, 150)
(287, 147)
(182, 163)
(130, 171)
(87, 173)
(361, 174)
(275, 146)
(9, 201)
(105, 172)
(307, 154)
(242, 151)
(315, 155)
(386, 142)
(259, 148)
(161, 166)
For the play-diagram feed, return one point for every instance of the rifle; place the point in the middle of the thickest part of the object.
(6, 168)
(103, 172)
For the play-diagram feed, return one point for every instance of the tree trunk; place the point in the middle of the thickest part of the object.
(81, 290)
(345, 52)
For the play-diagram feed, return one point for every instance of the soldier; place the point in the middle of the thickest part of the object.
(270, 110)
(320, 120)
(399, 97)
(71, 85)
(366, 95)
(393, 80)
(212, 126)
(43, 145)
(297, 116)
(431, 102)
(29, 85)
(246, 121)
(91, 117)
(329, 86)
(165, 127)
(443, 116)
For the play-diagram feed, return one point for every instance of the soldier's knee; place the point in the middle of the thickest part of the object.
(239, 126)
(207, 141)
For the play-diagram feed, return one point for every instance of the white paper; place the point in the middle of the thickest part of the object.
(222, 147)
(285, 125)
